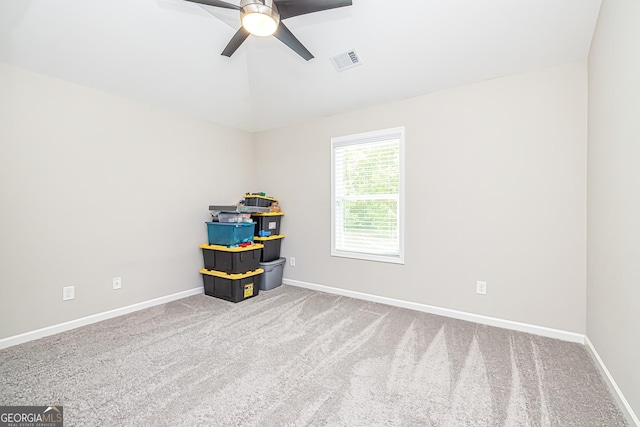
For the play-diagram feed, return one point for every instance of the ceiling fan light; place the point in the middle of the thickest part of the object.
(260, 19)
(259, 24)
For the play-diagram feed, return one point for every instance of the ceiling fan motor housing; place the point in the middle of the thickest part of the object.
(260, 9)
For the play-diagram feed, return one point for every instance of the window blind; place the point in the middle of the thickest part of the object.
(366, 195)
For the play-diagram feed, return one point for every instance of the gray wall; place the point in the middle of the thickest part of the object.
(613, 291)
(92, 187)
(496, 191)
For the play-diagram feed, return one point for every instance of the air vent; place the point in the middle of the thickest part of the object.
(346, 60)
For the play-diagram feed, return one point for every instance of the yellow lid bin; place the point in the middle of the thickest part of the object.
(231, 260)
(267, 223)
(258, 200)
(272, 244)
(231, 287)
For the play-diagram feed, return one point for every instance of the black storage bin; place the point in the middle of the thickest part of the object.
(231, 287)
(258, 200)
(271, 250)
(231, 260)
(267, 224)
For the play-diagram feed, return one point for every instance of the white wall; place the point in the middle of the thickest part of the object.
(496, 191)
(92, 187)
(613, 313)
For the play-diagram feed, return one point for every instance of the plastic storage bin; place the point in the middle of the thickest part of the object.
(234, 217)
(231, 260)
(231, 287)
(267, 224)
(229, 233)
(272, 276)
(258, 200)
(271, 251)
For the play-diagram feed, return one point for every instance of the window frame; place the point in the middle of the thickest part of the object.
(364, 138)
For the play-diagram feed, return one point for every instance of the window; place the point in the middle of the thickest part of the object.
(367, 203)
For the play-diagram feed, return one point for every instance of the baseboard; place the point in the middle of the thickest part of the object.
(612, 383)
(477, 318)
(62, 327)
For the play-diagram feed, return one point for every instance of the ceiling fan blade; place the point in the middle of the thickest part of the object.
(289, 8)
(216, 3)
(235, 42)
(285, 36)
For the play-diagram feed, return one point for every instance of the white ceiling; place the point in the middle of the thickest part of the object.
(167, 52)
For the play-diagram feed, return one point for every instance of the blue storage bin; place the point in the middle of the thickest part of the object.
(230, 233)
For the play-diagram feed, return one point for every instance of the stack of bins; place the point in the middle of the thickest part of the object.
(267, 233)
(231, 261)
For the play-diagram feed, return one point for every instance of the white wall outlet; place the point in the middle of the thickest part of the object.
(481, 287)
(68, 292)
(117, 282)
(292, 261)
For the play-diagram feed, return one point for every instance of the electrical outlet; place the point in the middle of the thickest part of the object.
(117, 282)
(292, 261)
(68, 292)
(481, 287)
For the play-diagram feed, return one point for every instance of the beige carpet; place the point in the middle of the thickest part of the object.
(294, 357)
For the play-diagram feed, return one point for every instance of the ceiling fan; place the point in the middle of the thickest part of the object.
(264, 18)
